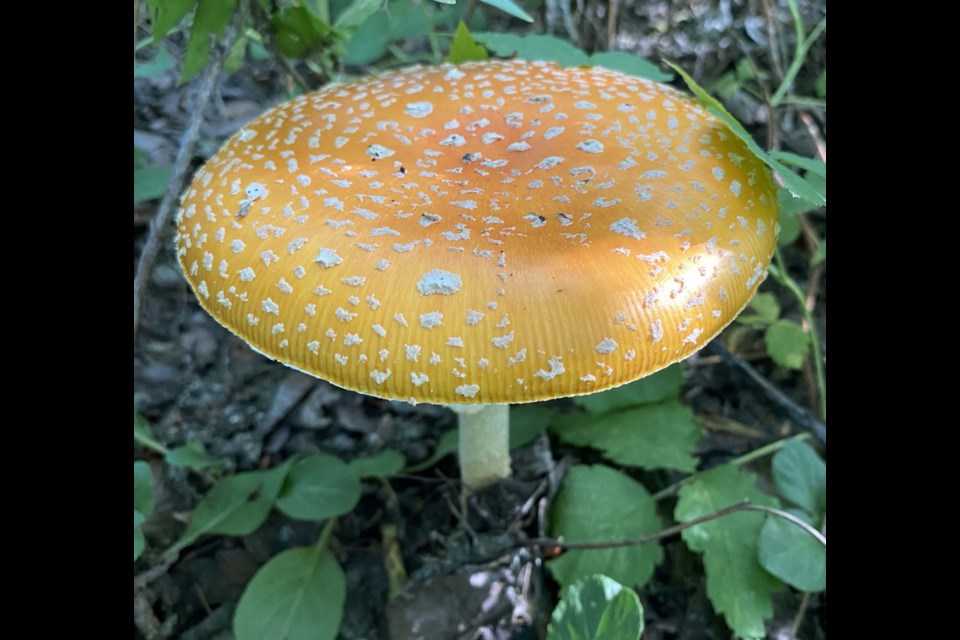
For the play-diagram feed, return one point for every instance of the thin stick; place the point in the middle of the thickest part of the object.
(160, 222)
(675, 529)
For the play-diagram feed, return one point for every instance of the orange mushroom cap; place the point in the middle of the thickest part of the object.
(493, 232)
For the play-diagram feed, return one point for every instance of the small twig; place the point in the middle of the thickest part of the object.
(612, 19)
(772, 39)
(797, 413)
(814, 131)
(160, 221)
(468, 13)
(675, 529)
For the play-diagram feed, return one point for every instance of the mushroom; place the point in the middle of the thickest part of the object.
(477, 235)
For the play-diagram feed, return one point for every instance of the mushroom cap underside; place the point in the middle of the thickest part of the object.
(492, 232)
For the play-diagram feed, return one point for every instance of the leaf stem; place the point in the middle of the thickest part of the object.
(765, 450)
(800, 53)
(779, 273)
(150, 443)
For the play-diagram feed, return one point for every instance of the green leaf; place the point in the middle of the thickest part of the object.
(319, 486)
(190, 455)
(383, 465)
(820, 255)
(813, 165)
(597, 503)
(356, 14)
(298, 595)
(765, 310)
(737, 585)
(464, 48)
(527, 421)
(662, 385)
(630, 64)
(211, 19)
(789, 225)
(161, 63)
(446, 445)
(597, 608)
(791, 206)
(822, 85)
(235, 506)
(166, 14)
(297, 31)
(139, 542)
(793, 182)
(793, 555)
(142, 488)
(150, 183)
(656, 436)
(534, 47)
(787, 344)
(509, 7)
(801, 477)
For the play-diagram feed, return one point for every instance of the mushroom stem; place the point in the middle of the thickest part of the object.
(484, 443)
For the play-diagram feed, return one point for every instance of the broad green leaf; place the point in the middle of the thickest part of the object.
(787, 343)
(445, 446)
(356, 14)
(298, 595)
(401, 21)
(211, 18)
(763, 310)
(166, 14)
(318, 487)
(190, 455)
(813, 165)
(383, 465)
(297, 31)
(820, 255)
(793, 555)
(464, 48)
(534, 47)
(737, 585)
(150, 183)
(527, 421)
(630, 64)
(791, 206)
(142, 488)
(319, 8)
(656, 436)
(597, 503)
(662, 385)
(801, 477)
(139, 542)
(161, 63)
(236, 506)
(793, 182)
(509, 7)
(597, 608)
(789, 226)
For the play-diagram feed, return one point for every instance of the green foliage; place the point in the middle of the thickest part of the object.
(297, 31)
(464, 48)
(192, 456)
(318, 487)
(383, 465)
(597, 608)
(549, 48)
(211, 19)
(787, 344)
(149, 183)
(161, 63)
(737, 585)
(597, 503)
(510, 8)
(662, 385)
(297, 595)
(797, 186)
(142, 503)
(166, 14)
(236, 506)
(801, 477)
(792, 554)
(656, 436)
(762, 311)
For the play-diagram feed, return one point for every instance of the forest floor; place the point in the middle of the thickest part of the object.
(196, 382)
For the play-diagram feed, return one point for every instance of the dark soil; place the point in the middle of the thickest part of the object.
(196, 382)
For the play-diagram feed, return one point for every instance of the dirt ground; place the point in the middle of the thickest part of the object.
(194, 381)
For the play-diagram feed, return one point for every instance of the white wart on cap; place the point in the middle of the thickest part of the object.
(494, 232)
